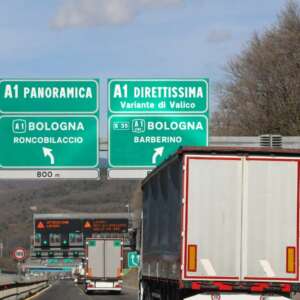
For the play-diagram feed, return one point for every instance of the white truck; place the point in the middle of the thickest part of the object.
(104, 261)
(220, 221)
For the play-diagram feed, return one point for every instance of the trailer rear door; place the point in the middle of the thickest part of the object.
(241, 218)
(270, 214)
(104, 258)
(96, 258)
(212, 226)
(112, 258)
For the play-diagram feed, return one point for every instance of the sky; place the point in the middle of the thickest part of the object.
(128, 38)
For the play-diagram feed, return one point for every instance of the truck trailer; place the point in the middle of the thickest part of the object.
(219, 221)
(104, 265)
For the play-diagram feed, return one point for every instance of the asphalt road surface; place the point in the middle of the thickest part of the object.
(67, 290)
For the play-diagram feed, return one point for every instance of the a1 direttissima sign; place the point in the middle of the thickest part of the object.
(149, 119)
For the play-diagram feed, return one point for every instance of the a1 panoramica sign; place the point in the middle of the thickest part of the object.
(49, 96)
(149, 119)
(51, 124)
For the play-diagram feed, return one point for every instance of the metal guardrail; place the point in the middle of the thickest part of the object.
(241, 141)
(21, 290)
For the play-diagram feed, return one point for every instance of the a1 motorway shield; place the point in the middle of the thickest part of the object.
(143, 141)
(49, 141)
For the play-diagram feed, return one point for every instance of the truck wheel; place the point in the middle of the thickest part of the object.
(146, 292)
(165, 293)
(178, 295)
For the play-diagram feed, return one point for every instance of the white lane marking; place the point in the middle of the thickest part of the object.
(267, 268)
(209, 269)
(80, 292)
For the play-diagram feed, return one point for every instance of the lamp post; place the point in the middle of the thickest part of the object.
(1, 248)
(128, 210)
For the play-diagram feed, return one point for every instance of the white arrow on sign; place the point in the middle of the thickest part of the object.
(157, 152)
(134, 260)
(48, 152)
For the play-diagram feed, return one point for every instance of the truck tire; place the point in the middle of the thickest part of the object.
(166, 293)
(145, 291)
(148, 293)
(170, 292)
(178, 295)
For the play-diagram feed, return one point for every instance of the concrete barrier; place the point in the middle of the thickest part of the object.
(18, 291)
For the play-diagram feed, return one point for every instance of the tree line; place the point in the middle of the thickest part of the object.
(261, 91)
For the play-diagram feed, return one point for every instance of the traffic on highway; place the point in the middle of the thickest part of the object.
(67, 290)
(150, 149)
(211, 196)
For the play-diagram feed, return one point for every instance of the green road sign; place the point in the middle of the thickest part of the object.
(52, 261)
(92, 243)
(149, 119)
(49, 96)
(48, 141)
(158, 96)
(117, 244)
(133, 260)
(143, 141)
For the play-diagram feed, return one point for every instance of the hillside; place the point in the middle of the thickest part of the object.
(20, 199)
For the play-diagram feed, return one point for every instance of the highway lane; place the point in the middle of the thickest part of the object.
(67, 290)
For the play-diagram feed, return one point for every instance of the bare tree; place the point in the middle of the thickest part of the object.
(262, 89)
